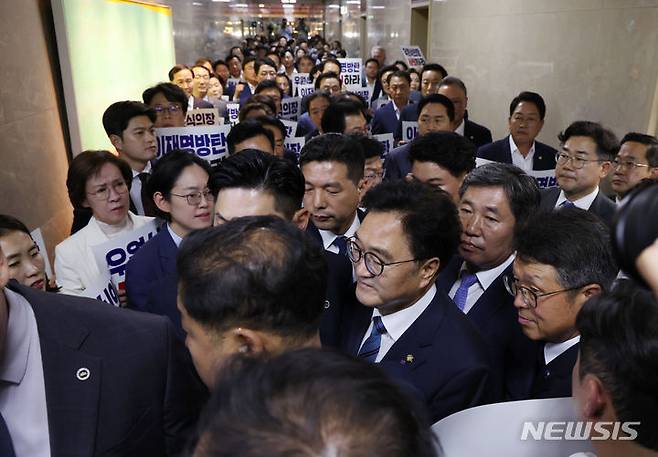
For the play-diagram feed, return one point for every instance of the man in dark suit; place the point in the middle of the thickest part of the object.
(333, 167)
(636, 161)
(562, 260)
(386, 118)
(406, 325)
(95, 379)
(436, 114)
(455, 89)
(496, 199)
(526, 119)
(585, 159)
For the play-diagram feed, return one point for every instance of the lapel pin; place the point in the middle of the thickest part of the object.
(327, 304)
(83, 374)
(409, 358)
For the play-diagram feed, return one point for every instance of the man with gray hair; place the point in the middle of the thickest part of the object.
(379, 53)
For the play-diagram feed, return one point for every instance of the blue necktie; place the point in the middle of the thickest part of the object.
(567, 204)
(371, 345)
(6, 447)
(462, 291)
(341, 243)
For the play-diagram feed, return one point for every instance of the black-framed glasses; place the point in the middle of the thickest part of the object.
(528, 295)
(103, 193)
(627, 164)
(194, 198)
(373, 263)
(172, 109)
(577, 162)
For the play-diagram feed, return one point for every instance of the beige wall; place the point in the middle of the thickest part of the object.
(32, 150)
(590, 59)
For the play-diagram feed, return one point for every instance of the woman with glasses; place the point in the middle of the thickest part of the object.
(100, 181)
(179, 186)
(25, 262)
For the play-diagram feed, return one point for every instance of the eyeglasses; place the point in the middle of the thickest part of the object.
(627, 164)
(529, 296)
(194, 198)
(374, 264)
(577, 162)
(103, 193)
(172, 109)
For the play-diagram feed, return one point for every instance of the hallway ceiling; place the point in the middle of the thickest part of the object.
(251, 8)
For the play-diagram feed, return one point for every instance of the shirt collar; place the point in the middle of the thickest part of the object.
(514, 149)
(553, 350)
(582, 203)
(174, 236)
(487, 277)
(147, 169)
(328, 236)
(460, 129)
(398, 322)
(17, 340)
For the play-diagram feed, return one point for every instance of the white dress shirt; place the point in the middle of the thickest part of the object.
(460, 129)
(553, 350)
(22, 388)
(136, 189)
(174, 236)
(524, 163)
(485, 279)
(399, 322)
(582, 203)
(328, 237)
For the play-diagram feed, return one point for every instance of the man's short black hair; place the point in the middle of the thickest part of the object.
(327, 75)
(170, 91)
(385, 69)
(434, 67)
(244, 130)
(260, 62)
(253, 169)
(333, 118)
(371, 147)
(273, 122)
(573, 241)
(428, 216)
(175, 69)
(651, 142)
(449, 150)
(248, 60)
(619, 345)
(399, 74)
(335, 147)
(454, 81)
(439, 99)
(268, 84)
(166, 172)
(231, 57)
(310, 402)
(323, 64)
(521, 190)
(317, 94)
(529, 97)
(607, 144)
(118, 115)
(371, 59)
(258, 271)
(299, 59)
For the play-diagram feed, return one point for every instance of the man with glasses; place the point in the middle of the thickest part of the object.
(562, 260)
(169, 103)
(406, 325)
(587, 149)
(526, 119)
(637, 160)
(495, 201)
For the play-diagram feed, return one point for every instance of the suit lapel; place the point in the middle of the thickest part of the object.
(359, 322)
(508, 151)
(72, 379)
(167, 250)
(313, 231)
(490, 301)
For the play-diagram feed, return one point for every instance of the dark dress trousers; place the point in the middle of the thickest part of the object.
(602, 206)
(499, 151)
(141, 398)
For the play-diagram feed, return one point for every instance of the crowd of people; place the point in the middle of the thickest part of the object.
(341, 300)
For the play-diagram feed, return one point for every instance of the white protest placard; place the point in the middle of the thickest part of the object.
(350, 71)
(203, 116)
(103, 289)
(413, 55)
(365, 92)
(409, 130)
(304, 90)
(295, 144)
(233, 110)
(209, 143)
(232, 82)
(386, 139)
(113, 255)
(299, 79)
(544, 178)
(290, 107)
(291, 127)
(37, 236)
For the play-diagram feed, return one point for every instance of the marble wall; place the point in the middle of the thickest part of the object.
(590, 59)
(32, 145)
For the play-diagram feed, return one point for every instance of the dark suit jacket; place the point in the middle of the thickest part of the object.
(554, 380)
(384, 120)
(477, 134)
(449, 364)
(396, 164)
(142, 396)
(495, 317)
(602, 206)
(499, 151)
(305, 125)
(151, 279)
(245, 94)
(201, 103)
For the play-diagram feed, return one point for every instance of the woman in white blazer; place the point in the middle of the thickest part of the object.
(100, 181)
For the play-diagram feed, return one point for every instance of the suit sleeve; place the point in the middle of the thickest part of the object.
(377, 126)
(392, 168)
(465, 389)
(138, 284)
